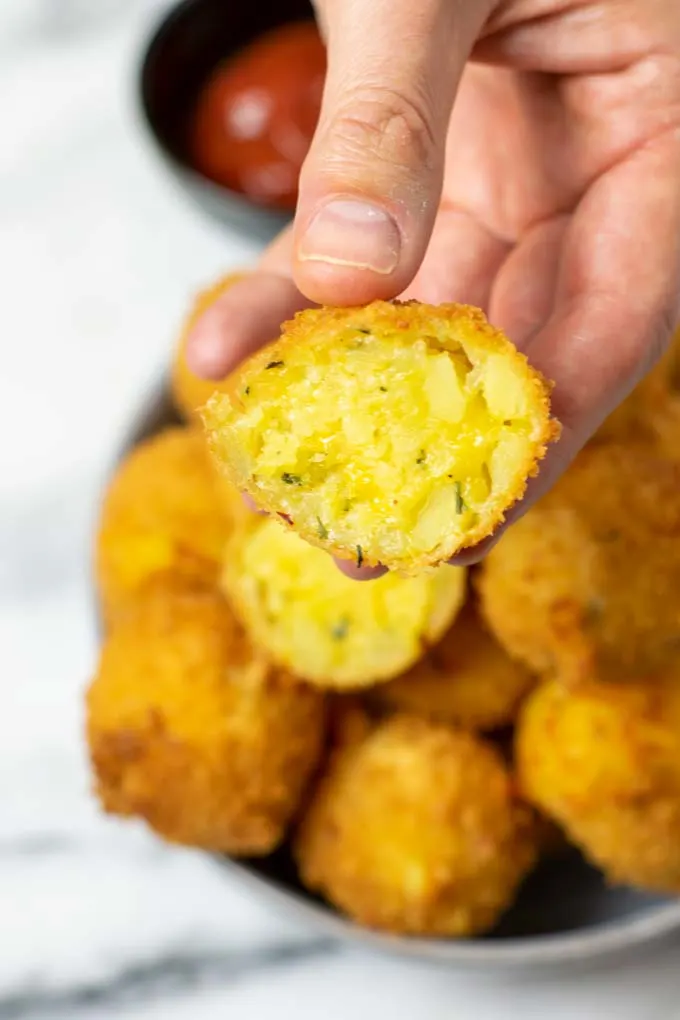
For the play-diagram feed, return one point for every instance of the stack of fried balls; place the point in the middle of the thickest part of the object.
(420, 741)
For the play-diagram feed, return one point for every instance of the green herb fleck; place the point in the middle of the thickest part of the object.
(340, 630)
(321, 528)
(422, 457)
(366, 332)
(383, 389)
(274, 364)
(360, 556)
(347, 506)
(291, 479)
(460, 503)
(247, 391)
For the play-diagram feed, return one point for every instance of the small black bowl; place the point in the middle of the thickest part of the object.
(188, 43)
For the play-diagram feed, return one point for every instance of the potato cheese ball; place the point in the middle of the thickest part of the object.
(189, 392)
(466, 679)
(320, 624)
(192, 730)
(415, 830)
(394, 434)
(604, 762)
(166, 513)
(588, 581)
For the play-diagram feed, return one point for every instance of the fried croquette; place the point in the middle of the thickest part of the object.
(395, 434)
(324, 627)
(415, 830)
(652, 411)
(604, 762)
(588, 581)
(194, 732)
(466, 679)
(166, 513)
(188, 391)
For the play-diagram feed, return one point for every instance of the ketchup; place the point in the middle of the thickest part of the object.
(256, 115)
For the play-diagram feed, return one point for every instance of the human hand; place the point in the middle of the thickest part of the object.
(523, 156)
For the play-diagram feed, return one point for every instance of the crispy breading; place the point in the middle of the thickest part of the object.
(604, 762)
(588, 581)
(415, 830)
(192, 730)
(320, 624)
(466, 679)
(166, 514)
(188, 391)
(401, 429)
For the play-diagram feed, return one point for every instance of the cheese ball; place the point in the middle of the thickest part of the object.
(398, 433)
(323, 626)
(194, 732)
(188, 391)
(466, 679)
(588, 581)
(604, 762)
(415, 830)
(166, 514)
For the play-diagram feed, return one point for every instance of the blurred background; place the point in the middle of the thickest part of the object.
(100, 254)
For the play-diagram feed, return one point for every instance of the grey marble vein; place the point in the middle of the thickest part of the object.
(177, 972)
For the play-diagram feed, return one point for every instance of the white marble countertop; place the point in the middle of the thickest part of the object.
(98, 257)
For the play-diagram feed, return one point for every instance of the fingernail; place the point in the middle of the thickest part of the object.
(349, 232)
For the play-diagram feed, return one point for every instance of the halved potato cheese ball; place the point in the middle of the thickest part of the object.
(604, 762)
(323, 626)
(466, 679)
(192, 730)
(588, 581)
(415, 830)
(188, 391)
(393, 434)
(166, 514)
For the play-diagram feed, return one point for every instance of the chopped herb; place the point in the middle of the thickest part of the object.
(291, 479)
(422, 457)
(347, 506)
(340, 630)
(273, 364)
(366, 332)
(460, 503)
(360, 555)
(383, 389)
(247, 391)
(321, 528)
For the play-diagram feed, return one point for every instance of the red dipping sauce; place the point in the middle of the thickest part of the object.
(255, 117)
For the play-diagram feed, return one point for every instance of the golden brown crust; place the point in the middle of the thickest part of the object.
(414, 830)
(165, 517)
(588, 581)
(314, 326)
(190, 730)
(604, 762)
(188, 391)
(467, 679)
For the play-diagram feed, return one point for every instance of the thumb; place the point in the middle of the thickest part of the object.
(371, 184)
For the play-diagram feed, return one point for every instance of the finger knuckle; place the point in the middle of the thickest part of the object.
(395, 127)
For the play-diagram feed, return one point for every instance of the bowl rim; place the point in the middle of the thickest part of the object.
(161, 27)
(616, 936)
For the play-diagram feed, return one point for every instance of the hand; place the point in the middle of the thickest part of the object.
(523, 156)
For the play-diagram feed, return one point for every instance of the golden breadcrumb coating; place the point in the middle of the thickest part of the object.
(604, 762)
(466, 679)
(194, 732)
(652, 411)
(401, 429)
(589, 579)
(188, 391)
(166, 513)
(320, 624)
(415, 830)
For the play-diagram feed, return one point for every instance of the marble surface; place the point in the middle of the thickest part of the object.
(97, 919)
